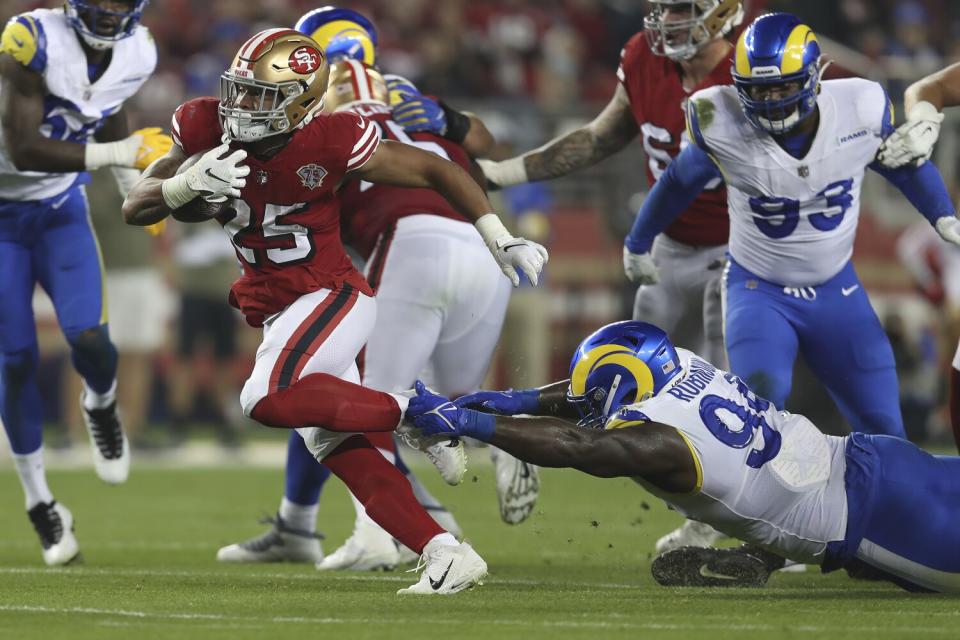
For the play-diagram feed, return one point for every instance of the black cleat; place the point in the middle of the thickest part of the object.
(708, 567)
(53, 523)
(111, 451)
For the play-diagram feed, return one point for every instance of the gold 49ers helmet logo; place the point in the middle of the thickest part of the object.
(305, 60)
(312, 175)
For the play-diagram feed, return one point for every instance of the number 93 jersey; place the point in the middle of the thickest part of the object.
(792, 221)
(74, 108)
(285, 227)
(764, 476)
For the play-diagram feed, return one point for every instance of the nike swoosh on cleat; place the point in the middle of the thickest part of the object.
(706, 572)
(436, 584)
(212, 175)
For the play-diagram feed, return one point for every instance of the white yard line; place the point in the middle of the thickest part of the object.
(402, 576)
(233, 621)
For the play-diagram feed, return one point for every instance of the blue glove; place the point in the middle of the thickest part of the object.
(435, 415)
(505, 403)
(400, 89)
(420, 113)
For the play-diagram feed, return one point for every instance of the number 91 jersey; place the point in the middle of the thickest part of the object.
(285, 227)
(793, 221)
(764, 476)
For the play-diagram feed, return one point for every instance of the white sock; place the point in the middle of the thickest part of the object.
(33, 477)
(93, 400)
(298, 516)
(444, 538)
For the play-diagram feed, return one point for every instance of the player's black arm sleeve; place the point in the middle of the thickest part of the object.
(653, 451)
(21, 113)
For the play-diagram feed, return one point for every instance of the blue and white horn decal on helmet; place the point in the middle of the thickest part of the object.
(342, 33)
(620, 364)
(777, 72)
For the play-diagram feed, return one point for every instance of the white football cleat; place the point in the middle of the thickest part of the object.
(690, 534)
(447, 568)
(111, 450)
(370, 548)
(518, 486)
(280, 544)
(446, 454)
(53, 522)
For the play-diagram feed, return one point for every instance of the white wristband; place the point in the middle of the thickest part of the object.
(122, 153)
(506, 172)
(176, 191)
(923, 110)
(491, 229)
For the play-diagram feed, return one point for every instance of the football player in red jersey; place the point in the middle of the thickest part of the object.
(681, 50)
(348, 35)
(298, 283)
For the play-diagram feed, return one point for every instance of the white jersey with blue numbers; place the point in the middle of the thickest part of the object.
(73, 108)
(792, 222)
(765, 476)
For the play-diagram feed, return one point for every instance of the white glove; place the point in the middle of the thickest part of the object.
(213, 178)
(640, 267)
(912, 142)
(505, 173)
(511, 253)
(949, 229)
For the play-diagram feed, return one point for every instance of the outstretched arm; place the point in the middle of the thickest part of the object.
(940, 89)
(650, 450)
(404, 165)
(923, 101)
(549, 400)
(606, 134)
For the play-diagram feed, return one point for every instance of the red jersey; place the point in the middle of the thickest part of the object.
(657, 99)
(370, 209)
(285, 227)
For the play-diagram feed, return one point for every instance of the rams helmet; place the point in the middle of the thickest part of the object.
(276, 83)
(699, 22)
(620, 364)
(353, 82)
(341, 33)
(87, 19)
(777, 72)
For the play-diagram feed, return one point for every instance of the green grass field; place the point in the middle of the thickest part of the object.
(578, 568)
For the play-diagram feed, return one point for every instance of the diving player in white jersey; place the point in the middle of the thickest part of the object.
(64, 76)
(793, 152)
(701, 440)
(912, 144)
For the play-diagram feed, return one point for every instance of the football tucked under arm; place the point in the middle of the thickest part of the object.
(198, 209)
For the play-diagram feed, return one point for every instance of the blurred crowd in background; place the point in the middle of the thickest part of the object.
(531, 69)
